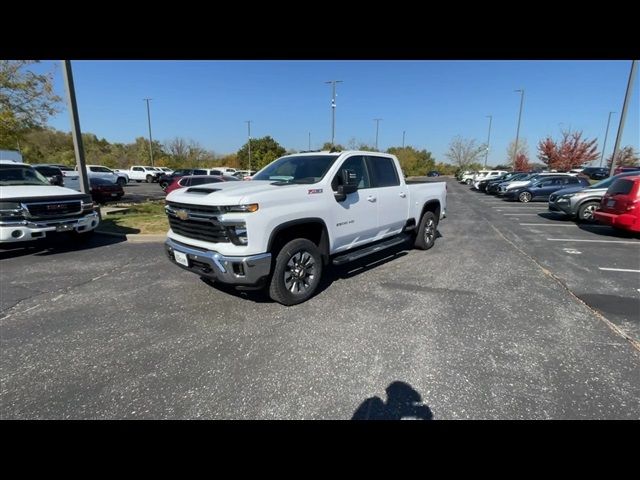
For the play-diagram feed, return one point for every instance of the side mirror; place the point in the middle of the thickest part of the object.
(57, 180)
(349, 184)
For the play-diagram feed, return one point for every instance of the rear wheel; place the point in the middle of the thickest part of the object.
(585, 212)
(468, 181)
(297, 272)
(427, 231)
(164, 185)
(121, 181)
(149, 178)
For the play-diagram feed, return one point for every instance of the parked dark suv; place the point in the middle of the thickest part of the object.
(595, 173)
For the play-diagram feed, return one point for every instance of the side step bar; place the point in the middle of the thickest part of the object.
(351, 256)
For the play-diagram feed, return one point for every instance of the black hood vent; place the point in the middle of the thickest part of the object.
(202, 190)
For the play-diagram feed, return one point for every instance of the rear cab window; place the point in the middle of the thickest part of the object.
(383, 171)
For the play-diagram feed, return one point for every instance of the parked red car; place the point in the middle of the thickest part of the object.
(620, 206)
(103, 190)
(192, 180)
(625, 169)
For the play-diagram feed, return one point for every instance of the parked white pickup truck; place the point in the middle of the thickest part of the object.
(32, 208)
(299, 213)
(98, 171)
(147, 174)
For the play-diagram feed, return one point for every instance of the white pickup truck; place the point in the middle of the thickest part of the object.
(141, 173)
(299, 213)
(32, 208)
(98, 171)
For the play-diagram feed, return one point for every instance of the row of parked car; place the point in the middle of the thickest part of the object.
(613, 201)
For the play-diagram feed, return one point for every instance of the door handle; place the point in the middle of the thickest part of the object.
(403, 195)
(371, 198)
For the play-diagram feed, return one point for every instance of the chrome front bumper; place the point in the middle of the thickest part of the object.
(34, 229)
(232, 270)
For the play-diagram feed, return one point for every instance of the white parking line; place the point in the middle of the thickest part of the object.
(591, 241)
(549, 224)
(619, 270)
(519, 206)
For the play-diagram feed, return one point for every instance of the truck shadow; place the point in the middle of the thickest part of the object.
(56, 244)
(331, 273)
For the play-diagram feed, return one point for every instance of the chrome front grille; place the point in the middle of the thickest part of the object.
(54, 209)
(197, 221)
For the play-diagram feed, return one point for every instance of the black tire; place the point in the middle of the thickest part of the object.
(427, 231)
(585, 212)
(164, 185)
(524, 197)
(298, 264)
(149, 178)
(121, 181)
(139, 181)
(468, 181)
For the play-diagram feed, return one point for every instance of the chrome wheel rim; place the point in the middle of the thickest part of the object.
(588, 212)
(429, 231)
(300, 272)
(525, 197)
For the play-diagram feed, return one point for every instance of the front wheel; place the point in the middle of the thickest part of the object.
(468, 181)
(427, 230)
(297, 272)
(149, 178)
(585, 212)
(121, 181)
(524, 197)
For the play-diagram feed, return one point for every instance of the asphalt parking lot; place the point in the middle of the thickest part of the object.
(497, 321)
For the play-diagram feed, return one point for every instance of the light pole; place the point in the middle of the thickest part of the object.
(75, 125)
(377, 120)
(515, 152)
(623, 115)
(333, 110)
(486, 155)
(150, 139)
(606, 134)
(309, 141)
(248, 122)
(403, 132)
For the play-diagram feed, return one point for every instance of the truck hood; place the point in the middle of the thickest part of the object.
(232, 193)
(34, 191)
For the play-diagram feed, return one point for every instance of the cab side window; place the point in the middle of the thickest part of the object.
(358, 165)
(384, 172)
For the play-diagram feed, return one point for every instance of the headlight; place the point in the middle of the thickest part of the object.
(251, 207)
(8, 206)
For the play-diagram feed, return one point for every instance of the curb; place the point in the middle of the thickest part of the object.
(135, 237)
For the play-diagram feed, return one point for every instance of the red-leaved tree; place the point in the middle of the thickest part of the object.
(570, 152)
(522, 163)
(626, 157)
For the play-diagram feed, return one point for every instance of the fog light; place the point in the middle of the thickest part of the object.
(17, 234)
(93, 223)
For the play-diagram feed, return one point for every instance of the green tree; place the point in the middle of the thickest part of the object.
(27, 100)
(413, 162)
(327, 146)
(626, 157)
(263, 151)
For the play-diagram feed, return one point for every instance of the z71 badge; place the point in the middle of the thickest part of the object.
(314, 190)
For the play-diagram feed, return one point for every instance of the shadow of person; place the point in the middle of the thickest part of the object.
(403, 402)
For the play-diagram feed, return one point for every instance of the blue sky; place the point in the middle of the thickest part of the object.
(208, 101)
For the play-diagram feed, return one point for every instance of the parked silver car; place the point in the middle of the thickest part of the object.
(580, 203)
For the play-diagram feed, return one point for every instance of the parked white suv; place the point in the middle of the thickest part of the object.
(487, 176)
(98, 171)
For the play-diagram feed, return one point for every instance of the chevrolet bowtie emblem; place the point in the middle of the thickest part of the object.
(182, 214)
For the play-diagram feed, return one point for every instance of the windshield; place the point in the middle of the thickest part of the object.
(297, 169)
(21, 175)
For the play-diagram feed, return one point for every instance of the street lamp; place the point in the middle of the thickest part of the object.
(486, 155)
(403, 132)
(606, 134)
(623, 115)
(515, 152)
(333, 110)
(377, 120)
